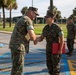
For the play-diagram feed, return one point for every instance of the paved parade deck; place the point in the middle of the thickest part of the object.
(35, 61)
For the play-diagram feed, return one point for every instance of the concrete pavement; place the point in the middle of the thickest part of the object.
(35, 61)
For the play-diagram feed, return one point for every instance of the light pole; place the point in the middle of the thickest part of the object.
(51, 5)
(32, 3)
(0, 16)
(32, 6)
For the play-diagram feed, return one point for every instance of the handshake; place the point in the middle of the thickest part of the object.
(38, 39)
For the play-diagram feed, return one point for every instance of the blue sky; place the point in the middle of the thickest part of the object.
(65, 6)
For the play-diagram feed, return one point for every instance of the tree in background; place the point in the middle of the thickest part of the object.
(3, 4)
(56, 12)
(74, 15)
(24, 10)
(11, 4)
(74, 11)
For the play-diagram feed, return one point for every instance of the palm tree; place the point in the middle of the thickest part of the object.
(56, 12)
(24, 10)
(3, 4)
(74, 11)
(11, 4)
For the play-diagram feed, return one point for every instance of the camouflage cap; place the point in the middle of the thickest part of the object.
(49, 14)
(34, 9)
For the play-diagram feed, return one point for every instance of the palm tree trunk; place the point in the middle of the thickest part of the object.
(10, 16)
(3, 18)
(10, 19)
(51, 5)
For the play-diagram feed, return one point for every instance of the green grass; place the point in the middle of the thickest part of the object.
(63, 26)
(37, 28)
(7, 28)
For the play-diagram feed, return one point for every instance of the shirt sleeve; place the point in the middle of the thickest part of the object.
(61, 33)
(29, 23)
(30, 27)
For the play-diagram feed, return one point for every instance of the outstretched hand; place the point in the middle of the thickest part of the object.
(35, 42)
(38, 39)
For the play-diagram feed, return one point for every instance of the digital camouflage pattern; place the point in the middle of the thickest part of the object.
(19, 44)
(53, 63)
(52, 33)
(18, 63)
(71, 28)
(71, 31)
(20, 38)
(70, 45)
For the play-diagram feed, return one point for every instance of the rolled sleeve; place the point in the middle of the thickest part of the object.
(30, 27)
(61, 33)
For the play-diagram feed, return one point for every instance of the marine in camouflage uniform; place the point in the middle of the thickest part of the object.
(74, 20)
(19, 42)
(71, 29)
(52, 34)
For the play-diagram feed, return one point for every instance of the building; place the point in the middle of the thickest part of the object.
(40, 20)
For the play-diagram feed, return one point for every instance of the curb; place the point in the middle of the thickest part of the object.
(6, 32)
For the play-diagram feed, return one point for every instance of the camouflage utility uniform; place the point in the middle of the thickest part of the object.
(19, 44)
(52, 34)
(70, 37)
